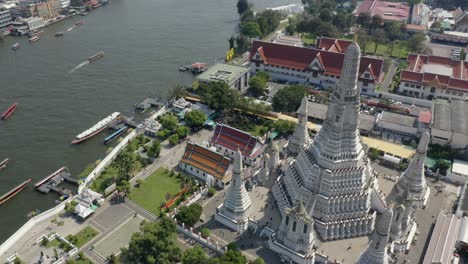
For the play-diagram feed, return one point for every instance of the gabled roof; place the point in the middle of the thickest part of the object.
(332, 44)
(207, 160)
(393, 11)
(234, 139)
(300, 58)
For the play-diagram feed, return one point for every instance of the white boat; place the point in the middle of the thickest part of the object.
(96, 129)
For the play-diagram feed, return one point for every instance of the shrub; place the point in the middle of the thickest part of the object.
(174, 139)
(205, 232)
(211, 191)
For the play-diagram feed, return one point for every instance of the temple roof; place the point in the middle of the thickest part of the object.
(207, 160)
(234, 139)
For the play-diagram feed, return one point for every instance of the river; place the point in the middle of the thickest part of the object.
(144, 42)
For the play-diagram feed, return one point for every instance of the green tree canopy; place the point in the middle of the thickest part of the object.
(155, 149)
(189, 215)
(174, 139)
(125, 164)
(182, 131)
(284, 127)
(169, 121)
(195, 118)
(258, 261)
(257, 85)
(288, 99)
(242, 6)
(242, 44)
(416, 42)
(326, 15)
(251, 29)
(154, 244)
(364, 19)
(195, 255)
(219, 96)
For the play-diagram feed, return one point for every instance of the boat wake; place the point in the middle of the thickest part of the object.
(71, 28)
(79, 66)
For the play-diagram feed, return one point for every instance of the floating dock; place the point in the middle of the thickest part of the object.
(52, 182)
(149, 102)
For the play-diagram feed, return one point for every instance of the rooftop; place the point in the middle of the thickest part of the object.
(300, 58)
(332, 44)
(207, 160)
(450, 116)
(234, 139)
(398, 119)
(460, 167)
(393, 11)
(441, 245)
(223, 72)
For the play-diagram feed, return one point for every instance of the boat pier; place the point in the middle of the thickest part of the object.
(53, 181)
(149, 102)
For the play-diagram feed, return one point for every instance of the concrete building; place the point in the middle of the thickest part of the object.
(449, 125)
(207, 165)
(64, 4)
(376, 252)
(388, 11)
(461, 22)
(47, 9)
(459, 172)
(227, 140)
(311, 66)
(332, 175)
(421, 15)
(442, 244)
(5, 17)
(237, 77)
(235, 210)
(430, 77)
(34, 23)
(396, 127)
(152, 127)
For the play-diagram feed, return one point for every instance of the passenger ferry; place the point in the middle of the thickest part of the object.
(96, 56)
(96, 129)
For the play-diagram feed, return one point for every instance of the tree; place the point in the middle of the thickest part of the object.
(251, 29)
(257, 85)
(393, 30)
(362, 40)
(416, 42)
(195, 118)
(205, 232)
(125, 164)
(231, 41)
(70, 207)
(268, 21)
(462, 54)
(379, 38)
(373, 153)
(326, 15)
(219, 96)
(233, 257)
(174, 139)
(211, 191)
(112, 259)
(377, 21)
(189, 215)
(242, 6)
(182, 131)
(284, 127)
(247, 16)
(259, 261)
(177, 91)
(155, 149)
(442, 165)
(123, 186)
(288, 99)
(154, 243)
(364, 19)
(242, 44)
(437, 27)
(195, 255)
(169, 121)
(263, 75)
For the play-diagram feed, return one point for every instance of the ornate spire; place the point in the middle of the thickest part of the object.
(301, 135)
(413, 178)
(265, 169)
(376, 253)
(237, 204)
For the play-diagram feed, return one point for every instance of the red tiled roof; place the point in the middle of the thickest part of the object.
(332, 44)
(425, 117)
(387, 10)
(300, 58)
(234, 139)
(415, 73)
(206, 160)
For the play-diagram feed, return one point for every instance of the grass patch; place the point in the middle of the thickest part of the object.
(87, 170)
(152, 191)
(83, 261)
(84, 236)
(53, 243)
(308, 39)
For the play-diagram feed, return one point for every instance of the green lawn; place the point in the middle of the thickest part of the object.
(308, 39)
(83, 261)
(152, 191)
(85, 235)
(53, 243)
(87, 170)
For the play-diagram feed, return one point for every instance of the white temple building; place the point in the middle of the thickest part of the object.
(376, 253)
(301, 135)
(235, 210)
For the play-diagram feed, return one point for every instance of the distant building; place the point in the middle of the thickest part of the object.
(227, 140)
(47, 9)
(64, 4)
(332, 44)
(207, 165)
(459, 172)
(396, 127)
(450, 123)
(5, 17)
(461, 22)
(237, 77)
(388, 11)
(180, 105)
(34, 23)
(430, 77)
(152, 127)
(442, 243)
(311, 66)
(420, 15)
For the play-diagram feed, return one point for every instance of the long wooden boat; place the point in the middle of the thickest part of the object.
(46, 179)
(4, 163)
(9, 111)
(7, 196)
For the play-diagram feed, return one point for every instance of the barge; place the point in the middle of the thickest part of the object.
(9, 111)
(46, 179)
(7, 196)
(96, 129)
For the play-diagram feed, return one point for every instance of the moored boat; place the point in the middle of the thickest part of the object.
(96, 56)
(114, 135)
(96, 129)
(59, 34)
(4, 163)
(34, 39)
(79, 23)
(15, 46)
(7, 196)
(9, 111)
(39, 183)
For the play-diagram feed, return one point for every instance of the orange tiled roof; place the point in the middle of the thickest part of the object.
(207, 160)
